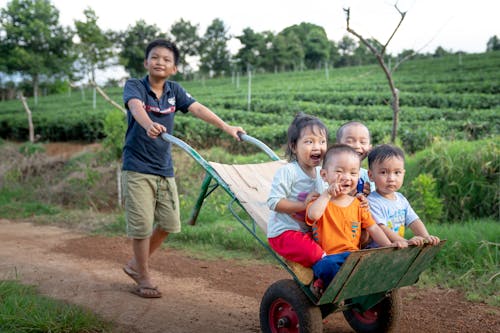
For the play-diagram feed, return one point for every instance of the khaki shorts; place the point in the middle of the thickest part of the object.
(150, 200)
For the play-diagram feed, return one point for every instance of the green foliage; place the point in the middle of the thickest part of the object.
(493, 44)
(35, 44)
(133, 44)
(186, 38)
(470, 259)
(94, 48)
(424, 198)
(216, 232)
(29, 149)
(17, 202)
(115, 126)
(214, 51)
(37, 184)
(466, 173)
(24, 310)
(55, 118)
(113, 228)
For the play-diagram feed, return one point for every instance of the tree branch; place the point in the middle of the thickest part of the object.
(107, 98)
(30, 121)
(403, 14)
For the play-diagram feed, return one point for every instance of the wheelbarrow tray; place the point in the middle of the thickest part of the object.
(373, 271)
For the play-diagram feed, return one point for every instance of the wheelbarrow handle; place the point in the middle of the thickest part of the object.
(261, 145)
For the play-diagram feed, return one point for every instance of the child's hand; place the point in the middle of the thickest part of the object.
(366, 188)
(334, 189)
(155, 129)
(400, 244)
(364, 239)
(234, 130)
(364, 201)
(417, 240)
(432, 240)
(311, 196)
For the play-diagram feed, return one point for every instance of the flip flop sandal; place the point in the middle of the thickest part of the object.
(131, 273)
(146, 292)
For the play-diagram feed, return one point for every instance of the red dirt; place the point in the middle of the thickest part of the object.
(198, 295)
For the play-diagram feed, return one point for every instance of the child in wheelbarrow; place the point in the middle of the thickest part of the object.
(294, 186)
(391, 209)
(337, 218)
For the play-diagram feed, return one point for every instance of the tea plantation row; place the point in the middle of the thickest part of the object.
(454, 97)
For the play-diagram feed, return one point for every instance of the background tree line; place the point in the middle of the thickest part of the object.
(38, 51)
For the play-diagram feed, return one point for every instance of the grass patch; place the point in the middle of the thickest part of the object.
(470, 260)
(24, 310)
(217, 234)
(16, 203)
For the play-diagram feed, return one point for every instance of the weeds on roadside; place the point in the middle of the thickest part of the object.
(470, 260)
(23, 310)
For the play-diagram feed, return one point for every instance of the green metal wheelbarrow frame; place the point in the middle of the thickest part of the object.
(365, 278)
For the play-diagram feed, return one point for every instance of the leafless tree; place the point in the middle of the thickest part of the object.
(379, 54)
(30, 121)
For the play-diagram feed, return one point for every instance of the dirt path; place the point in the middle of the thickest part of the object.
(198, 296)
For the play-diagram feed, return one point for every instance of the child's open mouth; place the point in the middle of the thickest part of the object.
(316, 158)
(345, 187)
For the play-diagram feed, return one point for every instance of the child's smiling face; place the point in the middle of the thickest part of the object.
(310, 148)
(343, 168)
(358, 137)
(160, 62)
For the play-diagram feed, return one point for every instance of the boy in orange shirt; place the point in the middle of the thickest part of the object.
(337, 218)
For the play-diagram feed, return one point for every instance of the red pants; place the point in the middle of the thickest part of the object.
(298, 247)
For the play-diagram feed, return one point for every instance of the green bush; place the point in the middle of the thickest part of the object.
(424, 198)
(467, 176)
(29, 149)
(115, 126)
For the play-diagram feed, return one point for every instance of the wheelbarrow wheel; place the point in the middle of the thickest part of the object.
(286, 308)
(383, 317)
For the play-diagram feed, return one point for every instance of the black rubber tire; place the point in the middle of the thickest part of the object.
(286, 308)
(383, 317)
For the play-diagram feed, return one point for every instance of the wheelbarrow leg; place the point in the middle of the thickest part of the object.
(201, 197)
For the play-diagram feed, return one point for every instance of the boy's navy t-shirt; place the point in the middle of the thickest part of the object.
(140, 152)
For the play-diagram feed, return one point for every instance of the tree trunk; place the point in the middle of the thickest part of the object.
(35, 88)
(395, 114)
(94, 104)
(30, 121)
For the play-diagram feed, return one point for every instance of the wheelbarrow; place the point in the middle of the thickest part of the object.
(366, 288)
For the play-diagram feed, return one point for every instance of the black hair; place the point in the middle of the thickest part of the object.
(340, 131)
(300, 122)
(337, 149)
(166, 44)
(382, 152)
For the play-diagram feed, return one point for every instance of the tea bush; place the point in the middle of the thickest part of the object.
(467, 176)
(425, 199)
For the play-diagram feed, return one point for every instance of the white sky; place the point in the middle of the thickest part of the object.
(456, 25)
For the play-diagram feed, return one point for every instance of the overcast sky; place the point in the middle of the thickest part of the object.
(456, 25)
